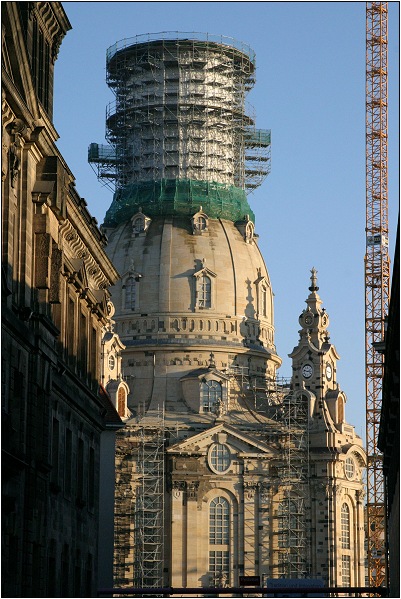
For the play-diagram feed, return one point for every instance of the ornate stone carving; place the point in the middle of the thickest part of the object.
(250, 489)
(14, 164)
(192, 490)
(178, 487)
(56, 46)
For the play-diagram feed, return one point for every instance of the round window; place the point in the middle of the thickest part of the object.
(112, 362)
(349, 468)
(219, 458)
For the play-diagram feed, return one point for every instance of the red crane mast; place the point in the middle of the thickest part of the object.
(377, 279)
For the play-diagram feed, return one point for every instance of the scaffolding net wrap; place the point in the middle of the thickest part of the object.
(178, 197)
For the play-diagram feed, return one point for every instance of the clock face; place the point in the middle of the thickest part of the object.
(307, 371)
(308, 319)
(329, 372)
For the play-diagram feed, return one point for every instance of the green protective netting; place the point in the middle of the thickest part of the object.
(168, 197)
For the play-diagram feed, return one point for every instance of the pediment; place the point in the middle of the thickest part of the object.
(357, 452)
(222, 433)
(206, 374)
(205, 271)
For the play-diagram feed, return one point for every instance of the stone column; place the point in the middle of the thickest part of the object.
(192, 535)
(178, 535)
(250, 542)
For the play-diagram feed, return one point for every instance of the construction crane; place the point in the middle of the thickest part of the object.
(377, 279)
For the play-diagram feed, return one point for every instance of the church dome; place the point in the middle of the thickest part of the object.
(197, 279)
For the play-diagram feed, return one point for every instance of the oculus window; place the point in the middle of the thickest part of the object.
(219, 458)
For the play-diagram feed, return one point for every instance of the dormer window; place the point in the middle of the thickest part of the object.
(247, 229)
(263, 296)
(249, 232)
(204, 292)
(130, 293)
(204, 288)
(211, 395)
(140, 223)
(199, 222)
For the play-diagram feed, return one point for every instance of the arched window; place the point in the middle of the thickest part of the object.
(138, 225)
(200, 223)
(249, 232)
(130, 294)
(204, 292)
(340, 410)
(211, 394)
(264, 300)
(219, 517)
(345, 527)
(219, 536)
(121, 402)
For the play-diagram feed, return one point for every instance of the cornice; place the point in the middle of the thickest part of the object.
(54, 21)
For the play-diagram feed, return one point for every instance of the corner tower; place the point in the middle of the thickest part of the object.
(336, 459)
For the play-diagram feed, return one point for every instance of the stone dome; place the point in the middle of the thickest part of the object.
(179, 280)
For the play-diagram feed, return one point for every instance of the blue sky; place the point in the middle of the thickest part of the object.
(310, 91)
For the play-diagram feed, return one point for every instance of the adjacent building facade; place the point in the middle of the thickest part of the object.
(55, 279)
(223, 468)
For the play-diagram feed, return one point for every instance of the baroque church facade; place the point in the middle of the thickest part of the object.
(223, 468)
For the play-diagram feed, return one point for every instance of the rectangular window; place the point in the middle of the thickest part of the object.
(68, 461)
(219, 562)
(46, 77)
(40, 77)
(204, 292)
(83, 344)
(55, 451)
(130, 294)
(70, 329)
(34, 49)
(346, 570)
(80, 470)
(93, 364)
(91, 478)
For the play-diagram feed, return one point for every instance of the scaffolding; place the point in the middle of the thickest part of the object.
(149, 507)
(139, 512)
(289, 411)
(180, 113)
(140, 505)
(293, 536)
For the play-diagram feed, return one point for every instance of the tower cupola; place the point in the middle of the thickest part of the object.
(314, 358)
(314, 319)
